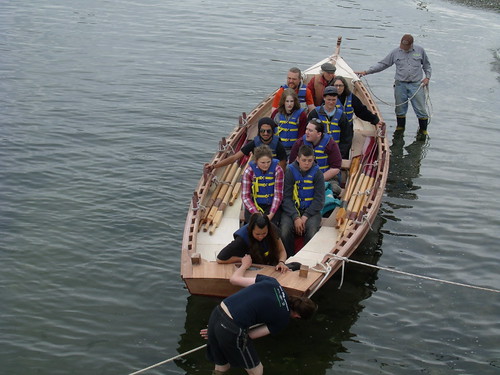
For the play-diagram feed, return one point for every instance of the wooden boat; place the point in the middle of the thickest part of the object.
(215, 211)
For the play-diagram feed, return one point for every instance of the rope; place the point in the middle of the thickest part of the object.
(428, 103)
(168, 360)
(344, 259)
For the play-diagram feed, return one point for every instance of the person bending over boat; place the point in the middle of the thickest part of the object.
(335, 121)
(294, 82)
(320, 81)
(260, 238)
(266, 129)
(411, 64)
(262, 185)
(290, 118)
(231, 327)
(303, 199)
(352, 105)
(326, 152)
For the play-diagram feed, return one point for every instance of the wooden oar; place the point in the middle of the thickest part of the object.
(220, 211)
(236, 191)
(354, 179)
(356, 199)
(220, 195)
(215, 193)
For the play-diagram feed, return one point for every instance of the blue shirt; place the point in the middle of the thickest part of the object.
(410, 65)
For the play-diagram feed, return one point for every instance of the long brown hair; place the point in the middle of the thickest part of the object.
(256, 248)
(296, 102)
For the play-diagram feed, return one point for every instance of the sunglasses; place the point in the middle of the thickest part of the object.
(316, 121)
(262, 131)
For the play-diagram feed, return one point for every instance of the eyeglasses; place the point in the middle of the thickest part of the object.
(262, 131)
(338, 85)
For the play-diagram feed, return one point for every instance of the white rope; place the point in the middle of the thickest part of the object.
(389, 104)
(344, 259)
(168, 360)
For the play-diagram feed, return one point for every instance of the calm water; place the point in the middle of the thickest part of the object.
(108, 110)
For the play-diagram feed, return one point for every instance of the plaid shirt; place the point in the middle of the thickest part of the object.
(246, 190)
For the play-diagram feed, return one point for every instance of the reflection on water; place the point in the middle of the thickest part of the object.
(405, 166)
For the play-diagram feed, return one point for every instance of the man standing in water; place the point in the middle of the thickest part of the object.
(262, 301)
(411, 62)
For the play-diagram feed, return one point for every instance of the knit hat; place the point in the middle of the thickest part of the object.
(268, 121)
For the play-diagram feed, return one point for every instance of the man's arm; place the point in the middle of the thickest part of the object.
(381, 65)
(346, 134)
(259, 331)
(426, 66)
(288, 205)
(238, 278)
(319, 196)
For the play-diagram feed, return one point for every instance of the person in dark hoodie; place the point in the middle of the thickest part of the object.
(266, 129)
(303, 199)
(352, 105)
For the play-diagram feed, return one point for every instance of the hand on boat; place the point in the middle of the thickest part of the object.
(282, 267)
(246, 261)
(361, 74)
(208, 167)
(204, 333)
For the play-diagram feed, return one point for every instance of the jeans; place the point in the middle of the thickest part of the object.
(405, 90)
(288, 229)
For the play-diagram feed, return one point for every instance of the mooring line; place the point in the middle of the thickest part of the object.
(168, 360)
(347, 260)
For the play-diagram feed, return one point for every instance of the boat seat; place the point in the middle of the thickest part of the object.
(315, 250)
(209, 245)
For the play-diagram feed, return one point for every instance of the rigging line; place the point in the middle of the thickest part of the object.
(168, 360)
(415, 275)
(389, 104)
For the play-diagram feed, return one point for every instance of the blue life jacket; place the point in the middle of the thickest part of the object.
(288, 129)
(303, 189)
(301, 94)
(319, 152)
(243, 233)
(263, 184)
(273, 145)
(347, 107)
(331, 125)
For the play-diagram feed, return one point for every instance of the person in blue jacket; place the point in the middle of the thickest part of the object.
(260, 238)
(232, 324)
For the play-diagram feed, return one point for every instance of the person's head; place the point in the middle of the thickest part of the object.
(406, 42)
(328, 71)
(314, 130)
(260, 229)
(301, 307)
(330, 97)
(263, 156)
(341, 85)
(266, 128)
(305, 157)
(293, 78)
(258, 226)
(289, 102)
